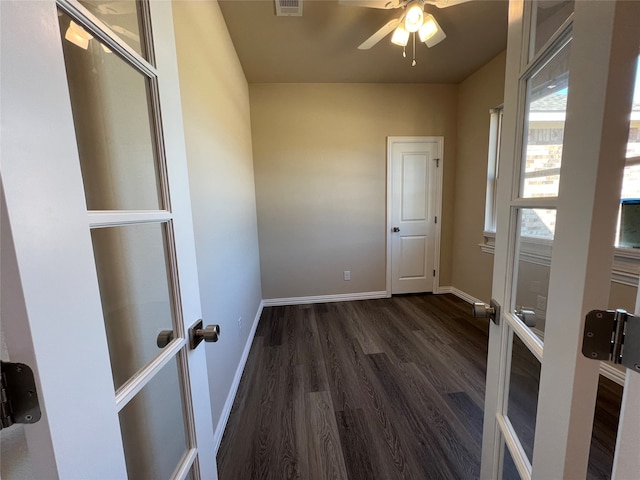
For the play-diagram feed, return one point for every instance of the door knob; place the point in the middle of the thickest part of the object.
(396, 229)
(164, 338)
(527, 315)
(482, 310)
(210, 333)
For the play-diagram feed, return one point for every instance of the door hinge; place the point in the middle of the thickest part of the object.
(434, 273)
(613, 336)
(18, 395)
(436, 220)
(437, 163)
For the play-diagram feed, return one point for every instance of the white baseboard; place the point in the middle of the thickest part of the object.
(339, 297)
(441, 289)
(458, 293)
(226, 411)
(612, 373)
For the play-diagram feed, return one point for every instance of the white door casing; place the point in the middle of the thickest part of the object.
(414, 186)
(51, 308)
(604, 48)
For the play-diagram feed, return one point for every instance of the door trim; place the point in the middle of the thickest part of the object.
(436, 197)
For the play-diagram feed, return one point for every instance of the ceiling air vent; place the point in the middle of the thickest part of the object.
(288, 8)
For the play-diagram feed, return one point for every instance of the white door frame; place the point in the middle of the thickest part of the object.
(436, 197)
(604, 47)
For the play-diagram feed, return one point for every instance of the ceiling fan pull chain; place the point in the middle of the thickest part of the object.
(413, 63)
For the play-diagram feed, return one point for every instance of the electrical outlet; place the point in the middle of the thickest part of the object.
(542, 303)
(347, 275)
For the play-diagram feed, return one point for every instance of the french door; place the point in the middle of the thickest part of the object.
(569, 85)
(98, 260)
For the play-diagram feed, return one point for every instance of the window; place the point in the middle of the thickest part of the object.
(495, 127)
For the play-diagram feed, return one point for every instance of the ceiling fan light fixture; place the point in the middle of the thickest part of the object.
(437, 37)
(78, 35)
(400, 36)
(414, 17)
(428, 29)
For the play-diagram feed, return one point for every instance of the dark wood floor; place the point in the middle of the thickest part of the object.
(374, 389)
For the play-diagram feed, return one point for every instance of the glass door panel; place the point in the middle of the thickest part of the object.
(546, 107)
(628, 235)
(124, 17)
(153, 426)
(536, 228)
(605, 423)
(136, 293)
(509, 469)
(114, 123)
(524, 384)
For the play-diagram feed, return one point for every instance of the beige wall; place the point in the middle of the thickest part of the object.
(320, 163)
(472, 270)
(622, 296)
(215, 102)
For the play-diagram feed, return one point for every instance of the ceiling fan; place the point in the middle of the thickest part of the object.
(413, 20)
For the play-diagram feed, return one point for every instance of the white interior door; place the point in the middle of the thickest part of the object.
(569, 84)
(413, 194)
(98, 255)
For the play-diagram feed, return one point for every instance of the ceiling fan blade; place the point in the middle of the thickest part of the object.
(445, 3)
(389, 27)
(384, 4)
(437, 37)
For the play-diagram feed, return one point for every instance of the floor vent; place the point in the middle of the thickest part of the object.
(288, 8)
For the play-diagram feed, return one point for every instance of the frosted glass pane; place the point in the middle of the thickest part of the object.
(111, 108)
(153, 427)
(135, 291)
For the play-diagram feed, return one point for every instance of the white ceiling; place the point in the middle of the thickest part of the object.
(321, 46)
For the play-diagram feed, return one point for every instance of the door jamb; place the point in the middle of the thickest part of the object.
(435, 196)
